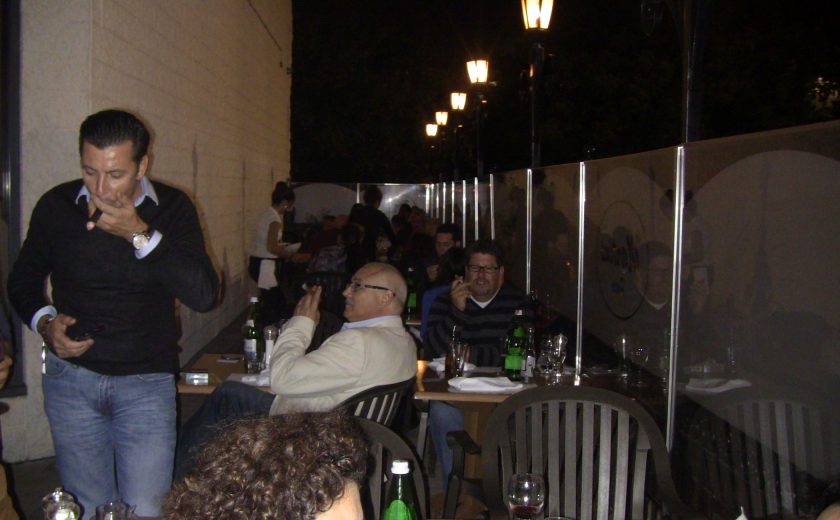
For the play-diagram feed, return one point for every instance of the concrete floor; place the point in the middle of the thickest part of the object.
(30, 481)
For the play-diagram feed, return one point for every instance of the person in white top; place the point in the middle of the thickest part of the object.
(267, 247)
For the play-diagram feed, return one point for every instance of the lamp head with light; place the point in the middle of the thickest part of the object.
(536, 14)
(458, 100)
(431, 129)
(478, 71)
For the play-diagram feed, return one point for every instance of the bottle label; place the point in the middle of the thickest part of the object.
(397, 510)
(250, 349)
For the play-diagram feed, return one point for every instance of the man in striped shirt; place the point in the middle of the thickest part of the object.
(482, 305)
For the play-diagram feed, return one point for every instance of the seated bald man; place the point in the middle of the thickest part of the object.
(372, 349)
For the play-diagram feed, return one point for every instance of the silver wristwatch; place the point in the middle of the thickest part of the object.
(141, 239)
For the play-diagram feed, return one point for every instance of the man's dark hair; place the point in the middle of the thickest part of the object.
(113, 127)
(486, 247)
(453, 263)
(287, 466)
(372, 196)
(451, 228)
(282, 193)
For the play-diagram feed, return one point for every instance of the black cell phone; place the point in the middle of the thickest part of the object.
(83, 331)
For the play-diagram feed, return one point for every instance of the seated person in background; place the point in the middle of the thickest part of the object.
(483, 306)
(334, 258)
(295, 467)
(451, 267)
(447, 236)
(373, 349)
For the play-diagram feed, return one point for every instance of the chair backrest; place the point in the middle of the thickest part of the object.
(385, 446)
(767, 450)
(379, 403)
(592, 446)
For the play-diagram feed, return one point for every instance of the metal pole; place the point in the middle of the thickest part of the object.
(479, 156)
(443, 218)
(537, 60)
(464, 212)
(581, 246)
(492, 209)
(475, 206)
(453, 204)
(676, 286)
(529, 177)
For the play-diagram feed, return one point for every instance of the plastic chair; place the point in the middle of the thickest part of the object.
(600, 453)
(769, 451)
(385, 446)
(380, 403)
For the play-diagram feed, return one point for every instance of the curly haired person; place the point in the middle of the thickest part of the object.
(307, 466)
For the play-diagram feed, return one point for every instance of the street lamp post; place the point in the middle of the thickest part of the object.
(458, 101)
(478, 71)
(431, 134)
(536, 15)
(441, 118)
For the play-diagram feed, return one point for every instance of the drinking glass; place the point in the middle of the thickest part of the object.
(545, 361)
(622, 346)
(639, 356)
(117, 510)
(525, 495)
(460, 356)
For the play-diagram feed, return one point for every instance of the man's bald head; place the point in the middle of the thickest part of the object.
(377, 289)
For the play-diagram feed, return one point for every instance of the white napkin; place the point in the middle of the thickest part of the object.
(439, 365)
(261, 379)
(485, 384)
(714, 386)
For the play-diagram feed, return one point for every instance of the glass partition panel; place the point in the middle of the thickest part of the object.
(395, 195)
(484, 218)
(511, 225)
(759, 360)
(628, 246)
(554, 250)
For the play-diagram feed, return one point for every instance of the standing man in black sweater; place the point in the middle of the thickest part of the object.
(118, 249)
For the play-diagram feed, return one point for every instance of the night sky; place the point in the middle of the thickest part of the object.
(368, 75)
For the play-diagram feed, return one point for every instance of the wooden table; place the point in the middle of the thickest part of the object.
(217, 370)
(478, 406)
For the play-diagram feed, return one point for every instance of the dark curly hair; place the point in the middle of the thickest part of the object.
(289, 466)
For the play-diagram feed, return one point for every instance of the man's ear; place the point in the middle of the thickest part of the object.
(144, 164)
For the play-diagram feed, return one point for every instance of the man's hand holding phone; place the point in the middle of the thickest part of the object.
(56, 335)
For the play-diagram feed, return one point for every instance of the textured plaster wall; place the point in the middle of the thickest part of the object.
(211, 79)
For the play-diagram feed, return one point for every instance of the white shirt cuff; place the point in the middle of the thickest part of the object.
(43, 311)
(153, 242)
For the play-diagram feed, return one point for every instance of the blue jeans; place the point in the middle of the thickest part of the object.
(114, 436)
(229, 401)
(444, 418)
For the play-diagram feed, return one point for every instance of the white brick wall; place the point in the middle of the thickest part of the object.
(212, 84)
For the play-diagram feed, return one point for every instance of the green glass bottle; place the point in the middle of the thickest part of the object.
(411, 299)
(514, 347)
(401, 503)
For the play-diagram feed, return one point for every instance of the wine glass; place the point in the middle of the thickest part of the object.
(525, 495)
(639, 356)
(558, 354)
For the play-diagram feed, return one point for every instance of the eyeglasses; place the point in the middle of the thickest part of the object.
(356, 286)
(489, 269)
